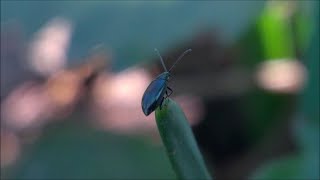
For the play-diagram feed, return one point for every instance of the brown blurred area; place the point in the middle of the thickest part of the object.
(34, 97)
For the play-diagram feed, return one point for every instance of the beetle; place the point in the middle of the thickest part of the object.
(157, 91)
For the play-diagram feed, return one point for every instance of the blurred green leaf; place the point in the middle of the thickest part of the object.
(304, 164)
(69, 151)
(269, 38)
(276, 31)
(300, 165)
(285, 168)
(179, 142)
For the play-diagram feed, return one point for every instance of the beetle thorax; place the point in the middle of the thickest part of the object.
(164, 75)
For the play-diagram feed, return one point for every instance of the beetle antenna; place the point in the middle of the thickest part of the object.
(164, 66)
(183, 54)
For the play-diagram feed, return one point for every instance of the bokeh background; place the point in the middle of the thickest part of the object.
(73, 74)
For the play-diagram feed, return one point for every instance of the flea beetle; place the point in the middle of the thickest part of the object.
(158, 89)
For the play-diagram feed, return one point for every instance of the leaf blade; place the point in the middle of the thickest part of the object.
(180, 143)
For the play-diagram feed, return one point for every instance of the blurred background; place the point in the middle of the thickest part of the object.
(73, 74)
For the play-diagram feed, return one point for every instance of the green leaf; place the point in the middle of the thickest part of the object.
(180, 143)
(72, 150)
(305, 163)
(276, 33)
(272, 37)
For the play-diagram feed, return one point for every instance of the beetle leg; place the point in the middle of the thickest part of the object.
(161, 102)
(170, 91)
(167, 94)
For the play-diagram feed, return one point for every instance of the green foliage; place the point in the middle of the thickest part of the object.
(179, 142)
(66, 151)
(271, 37)
(300, 165)
(274, 26)
(304, 164)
